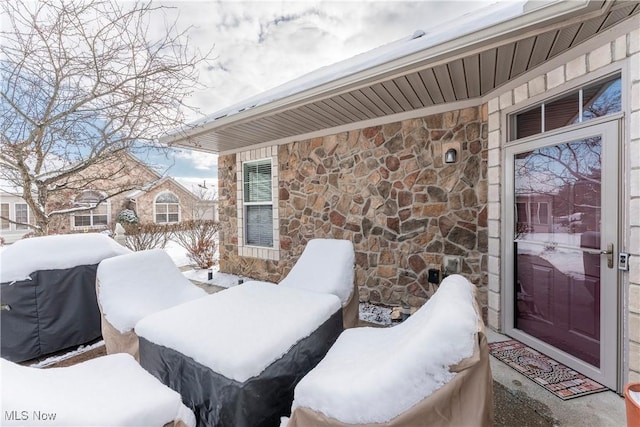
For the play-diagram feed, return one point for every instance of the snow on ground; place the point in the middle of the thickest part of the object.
(375, 314)
(177, 253)
(635, 395)
(555, 249)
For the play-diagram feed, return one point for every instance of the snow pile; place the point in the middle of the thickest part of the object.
(355, 384)
(121, 394)
(635, 396)
(135, 285)
(242, 330)
(326, 265)
(55, 253)
(375, 314)
(177, 253)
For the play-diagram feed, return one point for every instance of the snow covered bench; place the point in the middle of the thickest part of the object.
(236, 356)
(48, 293)
(326, 265)
(433, 369)
(133, 286)
(108, 391)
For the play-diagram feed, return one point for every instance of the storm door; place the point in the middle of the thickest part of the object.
(562, 243)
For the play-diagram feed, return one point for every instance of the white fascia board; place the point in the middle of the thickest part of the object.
(534, 14)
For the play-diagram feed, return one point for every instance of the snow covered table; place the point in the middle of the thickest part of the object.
(433, 369)
(48, 293)
(236, 356)
(108, 391)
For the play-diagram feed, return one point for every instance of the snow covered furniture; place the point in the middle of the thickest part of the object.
(133, 286)
(108, 391)
(326, 265)
(236, 356)
(48, 293)
(433, 369)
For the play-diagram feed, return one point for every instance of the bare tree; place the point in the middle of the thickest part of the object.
(81, 83)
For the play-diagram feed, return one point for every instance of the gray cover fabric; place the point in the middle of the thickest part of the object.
(259, 401)
(54, 310)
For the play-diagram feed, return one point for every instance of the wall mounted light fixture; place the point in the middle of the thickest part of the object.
(451, 155)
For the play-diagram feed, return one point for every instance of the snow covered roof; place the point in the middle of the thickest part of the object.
(458, 61)
(19, 260)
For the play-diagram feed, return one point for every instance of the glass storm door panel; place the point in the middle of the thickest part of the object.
(564, 227)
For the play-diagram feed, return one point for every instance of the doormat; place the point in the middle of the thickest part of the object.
(550, 374)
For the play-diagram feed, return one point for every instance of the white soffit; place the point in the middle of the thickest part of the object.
(463, 62)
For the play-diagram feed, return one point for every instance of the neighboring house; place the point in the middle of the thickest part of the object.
(14, 208)
(158, 199)
(417, 153)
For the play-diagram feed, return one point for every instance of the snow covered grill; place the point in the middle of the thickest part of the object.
(236, 356)
(47, 288)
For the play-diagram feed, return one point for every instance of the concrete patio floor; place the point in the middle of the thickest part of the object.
(521, 402)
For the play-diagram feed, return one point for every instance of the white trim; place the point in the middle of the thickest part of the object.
(255, 155)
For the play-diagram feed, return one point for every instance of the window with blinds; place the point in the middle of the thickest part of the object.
(258, 203)
(586, 103)
(167, 206)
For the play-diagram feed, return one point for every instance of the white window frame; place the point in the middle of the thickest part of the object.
(167, 213)
(248, 204)
(21, 227)
(245, 250)
(91, 213)
(6, 223)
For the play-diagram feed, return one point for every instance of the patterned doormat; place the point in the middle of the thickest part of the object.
(550, 374)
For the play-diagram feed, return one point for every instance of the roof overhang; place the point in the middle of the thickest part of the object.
(409, 76)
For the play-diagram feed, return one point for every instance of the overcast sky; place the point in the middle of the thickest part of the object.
(260, 45)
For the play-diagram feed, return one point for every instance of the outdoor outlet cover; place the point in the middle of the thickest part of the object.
(434, 276)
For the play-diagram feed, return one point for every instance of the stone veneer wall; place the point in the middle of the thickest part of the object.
(385, 188)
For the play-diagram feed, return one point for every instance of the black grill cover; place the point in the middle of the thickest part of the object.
(259, 401)
(54, 310)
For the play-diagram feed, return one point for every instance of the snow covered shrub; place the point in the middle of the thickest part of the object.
(199, 238)
(127, 216)
(143, 236)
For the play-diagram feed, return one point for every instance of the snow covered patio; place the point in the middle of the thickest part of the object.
(511, 404)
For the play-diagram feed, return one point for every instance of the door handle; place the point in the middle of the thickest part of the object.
(609, 253)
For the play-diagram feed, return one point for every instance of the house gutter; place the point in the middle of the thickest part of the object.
(536, 14)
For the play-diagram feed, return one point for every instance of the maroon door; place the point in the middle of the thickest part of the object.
(557, 246)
